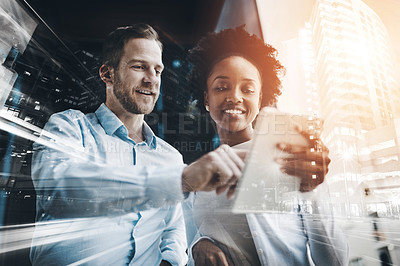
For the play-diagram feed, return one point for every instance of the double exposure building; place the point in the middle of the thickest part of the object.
(358, 97)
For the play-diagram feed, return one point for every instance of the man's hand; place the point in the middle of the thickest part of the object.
(207, 253)
(217, 170)
(309, 163)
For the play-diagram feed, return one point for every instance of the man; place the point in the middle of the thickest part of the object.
(109, 189)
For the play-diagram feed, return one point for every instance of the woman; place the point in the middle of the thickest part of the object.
(238, 74)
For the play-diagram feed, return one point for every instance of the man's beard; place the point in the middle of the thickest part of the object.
(128, 102)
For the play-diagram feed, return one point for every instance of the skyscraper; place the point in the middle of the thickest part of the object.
(358, 91)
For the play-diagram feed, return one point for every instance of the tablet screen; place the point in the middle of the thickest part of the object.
(263, 187)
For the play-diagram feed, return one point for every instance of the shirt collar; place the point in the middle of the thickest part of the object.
(111, 124)
(149, 136)
(108, 119)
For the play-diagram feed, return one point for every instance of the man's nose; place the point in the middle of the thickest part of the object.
(151, 77)
(234, 96)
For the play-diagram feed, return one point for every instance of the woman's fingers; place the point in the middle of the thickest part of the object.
(310, 176)
(308, 163)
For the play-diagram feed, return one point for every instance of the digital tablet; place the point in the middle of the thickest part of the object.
(263, 187)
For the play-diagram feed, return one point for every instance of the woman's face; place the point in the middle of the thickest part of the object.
(233, 93)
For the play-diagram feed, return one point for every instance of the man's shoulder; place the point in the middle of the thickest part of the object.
(73, 114)
(71, 118)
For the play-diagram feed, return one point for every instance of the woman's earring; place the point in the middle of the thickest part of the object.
(207, 108)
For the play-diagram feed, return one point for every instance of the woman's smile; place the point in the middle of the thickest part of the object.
(233, 95)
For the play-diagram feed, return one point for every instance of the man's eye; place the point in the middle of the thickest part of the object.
(158, 72)
(140, 67)
(220, 88)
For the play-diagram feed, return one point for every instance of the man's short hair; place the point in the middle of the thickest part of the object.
(113, 46)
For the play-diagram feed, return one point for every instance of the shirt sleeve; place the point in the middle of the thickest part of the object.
(173, 241)
(69, 183)
(326, 240)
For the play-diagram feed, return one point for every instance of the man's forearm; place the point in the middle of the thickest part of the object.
(71, 188)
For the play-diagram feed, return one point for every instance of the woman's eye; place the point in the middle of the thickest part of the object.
(220, 88)
(248, 90)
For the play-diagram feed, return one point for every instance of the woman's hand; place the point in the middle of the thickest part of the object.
(207, 253)
(165, 263)
(309, 163)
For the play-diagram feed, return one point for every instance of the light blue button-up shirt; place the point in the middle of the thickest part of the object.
(103, 199)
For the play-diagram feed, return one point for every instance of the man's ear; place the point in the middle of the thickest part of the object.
(105, 73)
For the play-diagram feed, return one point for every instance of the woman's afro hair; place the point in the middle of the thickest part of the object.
(216, 46)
